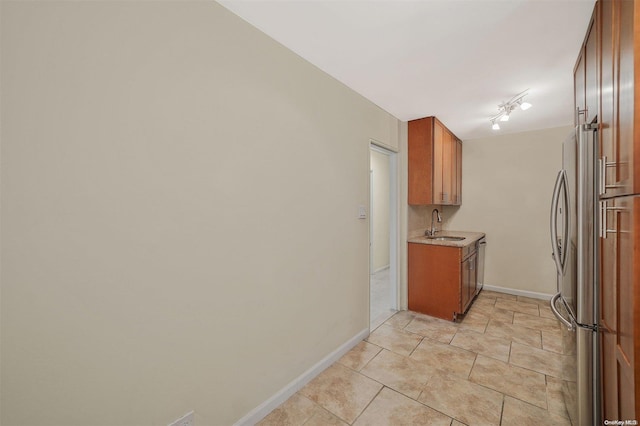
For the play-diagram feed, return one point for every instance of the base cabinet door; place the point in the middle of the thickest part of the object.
(469, 281)
(434, 280)
(619, 312)
(441, 283)
(465, 291)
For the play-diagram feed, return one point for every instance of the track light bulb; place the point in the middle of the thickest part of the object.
(495, 126)
(525, 106)
(504, 117)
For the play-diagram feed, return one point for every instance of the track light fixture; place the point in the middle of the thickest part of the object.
(506, 108)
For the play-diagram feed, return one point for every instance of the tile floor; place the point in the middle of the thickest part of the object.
(500, 365)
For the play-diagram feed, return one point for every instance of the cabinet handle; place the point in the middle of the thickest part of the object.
(602, 175)
(603, 164)
(580, 112)
(603, 219)
(604, 208)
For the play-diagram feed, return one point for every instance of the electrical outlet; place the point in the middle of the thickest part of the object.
(186, 420)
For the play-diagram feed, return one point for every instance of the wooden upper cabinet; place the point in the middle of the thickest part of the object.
(457, 195)
(585, 77)
(448, 168)
(420, 161)
(606, 113)
(435, 164)
(618, 158)
(591, 73)
(579, 89)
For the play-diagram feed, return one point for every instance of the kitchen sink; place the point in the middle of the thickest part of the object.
(444, 238)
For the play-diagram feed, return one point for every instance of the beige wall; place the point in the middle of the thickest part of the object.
(506, 193)
(380, 210)
(179, 213)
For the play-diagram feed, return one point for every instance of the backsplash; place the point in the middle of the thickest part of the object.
(419, 218)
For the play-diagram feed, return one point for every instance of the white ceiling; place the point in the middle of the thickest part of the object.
(453, 59)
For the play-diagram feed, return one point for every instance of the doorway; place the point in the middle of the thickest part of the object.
(383, 220)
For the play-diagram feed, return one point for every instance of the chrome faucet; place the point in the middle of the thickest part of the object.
(433, 229)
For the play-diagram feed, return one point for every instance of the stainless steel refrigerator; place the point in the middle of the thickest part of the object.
(574, 239)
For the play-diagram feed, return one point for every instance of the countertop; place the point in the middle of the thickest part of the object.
(469, 238)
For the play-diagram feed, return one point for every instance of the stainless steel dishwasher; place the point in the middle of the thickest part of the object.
(482, 245)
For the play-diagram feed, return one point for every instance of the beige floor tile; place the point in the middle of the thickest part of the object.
(398, 372)
(494, 347)
(501, 315)
(391, 408)
(555, 397)
(342, 391)
(539, 302)
(506, 296)
(457, 423)
(440, 356)
(514, 305)
(476, 321)
(552, 341)
(293, 412)
(542, 361)
(400, 319)
(493, 313)
(516, 333)
(487, 302)
(496, 294)
(433, 328)
(520, 413)
(360, 355)
(515, 381)
(465, 401)
(322, 417)
(536, 322)
(545, 312)
(394, 339)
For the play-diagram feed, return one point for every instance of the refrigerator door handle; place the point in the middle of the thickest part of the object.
(557, 256)
(566, 208)
(567, 323)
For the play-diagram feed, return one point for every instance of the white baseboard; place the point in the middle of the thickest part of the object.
(516, 292)
(258, 413)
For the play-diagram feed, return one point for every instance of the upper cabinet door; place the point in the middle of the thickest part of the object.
(585, 78)
(606, 114)
(618, 92)
(591, 72)
(457, 194)
(579, 89)
(420, 161)
(448, 168)
(438, 168)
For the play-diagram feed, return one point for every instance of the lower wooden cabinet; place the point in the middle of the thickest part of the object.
(620, 307)
(442, 279)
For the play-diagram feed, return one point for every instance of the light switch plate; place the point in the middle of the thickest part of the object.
(362, 212)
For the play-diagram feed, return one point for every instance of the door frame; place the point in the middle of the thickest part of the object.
(394, 224)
